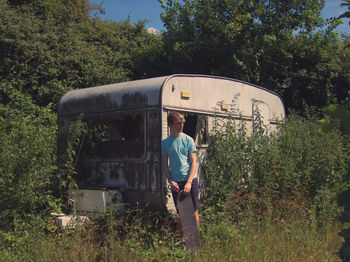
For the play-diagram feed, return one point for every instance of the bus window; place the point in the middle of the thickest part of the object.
(202, 131)
(196, 126)
(114, 137)
(190, 125)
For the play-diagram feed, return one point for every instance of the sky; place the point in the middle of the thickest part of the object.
(150, 10)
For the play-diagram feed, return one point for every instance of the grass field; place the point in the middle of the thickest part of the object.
(153, 238)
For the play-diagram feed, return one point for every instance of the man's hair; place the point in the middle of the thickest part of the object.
(175, 115)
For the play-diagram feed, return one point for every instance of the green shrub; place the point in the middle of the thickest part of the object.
(50, 47)
(27, 159)
(264, 168)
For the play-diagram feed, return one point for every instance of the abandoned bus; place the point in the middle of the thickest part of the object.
(119, 156)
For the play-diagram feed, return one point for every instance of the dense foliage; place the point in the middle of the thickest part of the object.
(46, 53)
(244, 217)
(27, 159)
(49, 47)
(284, 46)
(296, 162)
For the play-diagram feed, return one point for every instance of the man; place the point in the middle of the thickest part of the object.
(180, 162)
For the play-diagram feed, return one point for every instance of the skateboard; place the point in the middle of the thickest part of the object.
(188, 220)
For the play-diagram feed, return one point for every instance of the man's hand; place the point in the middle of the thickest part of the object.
(174, 186)
(187, 188)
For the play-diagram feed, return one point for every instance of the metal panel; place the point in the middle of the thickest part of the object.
(207, 92)
(122, 96)
(97, 200)
(204, 94)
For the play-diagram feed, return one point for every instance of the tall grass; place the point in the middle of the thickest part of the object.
(269, 197)
(154, 239)
(283, 241)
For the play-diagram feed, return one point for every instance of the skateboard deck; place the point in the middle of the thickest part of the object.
(188, 220)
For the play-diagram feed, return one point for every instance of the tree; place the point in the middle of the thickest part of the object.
(276, 44)
(47, 53)
(49, 47)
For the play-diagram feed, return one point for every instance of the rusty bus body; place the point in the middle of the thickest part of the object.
(119, 158)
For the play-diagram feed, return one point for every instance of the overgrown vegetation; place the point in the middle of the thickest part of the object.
(260, 205)
(49, 48)
(295, 164)
(148, 237)
(276, 196)
(28, 160)
(285, 46)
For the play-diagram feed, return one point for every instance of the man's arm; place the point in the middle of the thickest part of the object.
(193, 158)
(165, 161)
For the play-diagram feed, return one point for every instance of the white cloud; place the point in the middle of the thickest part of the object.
(152, 30)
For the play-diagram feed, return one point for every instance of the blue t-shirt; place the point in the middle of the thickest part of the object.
(178, 150)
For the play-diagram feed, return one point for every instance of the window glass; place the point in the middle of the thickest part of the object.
(117, 136)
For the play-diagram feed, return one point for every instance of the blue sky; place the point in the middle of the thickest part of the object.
(150, 10)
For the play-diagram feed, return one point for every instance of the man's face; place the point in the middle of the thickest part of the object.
(177, 126)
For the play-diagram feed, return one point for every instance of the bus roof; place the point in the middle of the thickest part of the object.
(184, 92)
(119, 96)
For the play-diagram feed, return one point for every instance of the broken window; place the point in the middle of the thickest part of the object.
(202, 131)
(190, 125)
(196, 126)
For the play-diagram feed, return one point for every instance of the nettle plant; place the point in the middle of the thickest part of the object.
(265, 167)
